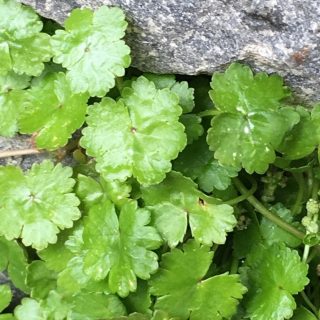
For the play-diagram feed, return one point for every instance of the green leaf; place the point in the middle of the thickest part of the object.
(12, 97)
(23, 49)
(272, 233)
(53, 112)
(252, 123)
(91, 50)
(5, 296)
(275, 273)
(40, 279)
(303, 314)
(66, 257)
(135, 316)
(177, 198)
(88, 190)
(95, 306)
(197, 162)
(185, 94)
(140, 300)
(91, 191)
(7, 316)
(161, 81)
(193, 127)
(57, 255)
(143, 133)
(193, 159)
(124, 248)
(182, 292)
(246, 239)
(83, 306)
(162, 315)
(29, 309)
(35, 205)
(181, 89)
(304, 137)
(14, 261)
(171, 222)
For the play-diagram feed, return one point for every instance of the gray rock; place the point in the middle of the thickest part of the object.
(22, 142)
(201, 36)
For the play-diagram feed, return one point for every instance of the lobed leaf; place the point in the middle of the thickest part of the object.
(177, 200)
(252, 122)
(123, 252)
(12, 97)
(23, 48)
(182, 292)
(136, 136)
(196, 161)
(91, 50)
(275, 273)
(36, 205)
(53, 112)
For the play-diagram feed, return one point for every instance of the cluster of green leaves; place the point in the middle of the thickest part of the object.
(154, 221)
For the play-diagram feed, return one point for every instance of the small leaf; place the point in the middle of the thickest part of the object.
(193, 127)
(35, 205)
(143, 133)
(209, 219)
(129, 240)
(13, 259)
(303, 138)
(29, 309)
(161, 81)
(139, 301)
(53, 112)
(303, 314)
(12, 97)
(40, 279)
(274, 234)
(196, 161)
(181, 292)
(252, 123)
(91, 50)
(275, 273)
(23, 49)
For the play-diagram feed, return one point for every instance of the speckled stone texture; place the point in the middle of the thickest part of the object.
(201, 36)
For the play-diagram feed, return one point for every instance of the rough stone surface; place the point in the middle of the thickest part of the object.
(201, 36)
(21, 142)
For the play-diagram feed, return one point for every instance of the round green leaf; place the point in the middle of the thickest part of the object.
(23, 48)
(91, 50)
(53, 112)
(36, 205)
(138, 135)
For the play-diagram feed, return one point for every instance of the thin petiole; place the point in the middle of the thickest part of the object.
(266, 213)
(208, 113)
(244, 196)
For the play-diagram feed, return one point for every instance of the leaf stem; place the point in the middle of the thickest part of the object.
(244, 196)
(21, 152)
(208, 113)
(309, 304)
(314, 187)
(234, 265)
(295, 209)
(306, 251)
(266, 213)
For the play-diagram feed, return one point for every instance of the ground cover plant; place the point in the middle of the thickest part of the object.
(188, 197)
